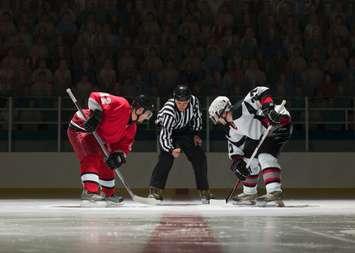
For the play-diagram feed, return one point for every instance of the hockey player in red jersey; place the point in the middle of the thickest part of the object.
(246, 122)
(115, 121)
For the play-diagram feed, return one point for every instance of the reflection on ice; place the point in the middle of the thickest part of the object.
(62, 226)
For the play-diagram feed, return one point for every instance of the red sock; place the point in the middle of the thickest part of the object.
(108, 191)
(91, 187)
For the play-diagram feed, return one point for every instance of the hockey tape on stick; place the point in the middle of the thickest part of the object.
(136, 198)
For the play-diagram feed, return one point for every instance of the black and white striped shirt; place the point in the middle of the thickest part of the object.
(170, 118)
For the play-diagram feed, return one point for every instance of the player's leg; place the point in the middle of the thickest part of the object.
(249, 194)
(88, 153)
(89, 174)
(270, 167)
(160, 175)
(107, 183)
(271, 172)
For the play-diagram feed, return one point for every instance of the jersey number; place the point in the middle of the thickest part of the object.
(105, 100)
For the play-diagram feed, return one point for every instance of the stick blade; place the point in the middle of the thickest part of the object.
(147, 201)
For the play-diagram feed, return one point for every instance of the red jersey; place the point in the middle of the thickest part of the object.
(115, 128)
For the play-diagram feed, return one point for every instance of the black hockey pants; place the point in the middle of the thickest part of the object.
(195, 155)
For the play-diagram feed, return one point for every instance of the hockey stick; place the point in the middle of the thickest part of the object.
(149, 201)
(238, 182)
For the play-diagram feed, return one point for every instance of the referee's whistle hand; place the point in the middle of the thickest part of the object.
(176, 152)
(197, 140)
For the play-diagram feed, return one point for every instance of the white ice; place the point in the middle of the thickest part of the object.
(60, 225)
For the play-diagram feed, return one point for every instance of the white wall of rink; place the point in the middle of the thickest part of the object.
(61, 170)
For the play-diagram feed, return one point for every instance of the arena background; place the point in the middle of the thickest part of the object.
(303, 50)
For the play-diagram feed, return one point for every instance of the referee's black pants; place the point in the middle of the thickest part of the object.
(195, 155)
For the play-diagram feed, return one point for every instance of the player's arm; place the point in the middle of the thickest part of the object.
(261, 98)
(165, 136)
(238, 166)
(120, 151)
(96, 110)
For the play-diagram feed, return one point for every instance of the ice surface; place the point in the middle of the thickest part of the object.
(62, 226)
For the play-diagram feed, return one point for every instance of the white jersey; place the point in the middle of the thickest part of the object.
(249, 122)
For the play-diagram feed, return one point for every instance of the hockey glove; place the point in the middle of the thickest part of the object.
(282, 133)
(93, 121)
(115, 160)
(239, 167)
(273, 116)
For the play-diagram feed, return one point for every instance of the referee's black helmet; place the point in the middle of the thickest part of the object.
(182, 93)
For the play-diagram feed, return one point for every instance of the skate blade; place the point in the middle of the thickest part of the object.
(274, 203)
(93, 204)
(244, 203)
(113, 204)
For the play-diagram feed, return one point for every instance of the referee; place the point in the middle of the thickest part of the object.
(180, 123)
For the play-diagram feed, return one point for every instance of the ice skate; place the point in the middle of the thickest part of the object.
(205, 197)
(92, 200)
(114, 200)
(244, 199)
(272, 197)
(155, 193)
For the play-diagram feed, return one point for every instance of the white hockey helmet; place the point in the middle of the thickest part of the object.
(219, 105)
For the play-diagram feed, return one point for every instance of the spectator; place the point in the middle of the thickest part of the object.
(253, 75)
(62, 78)
(192, 38)
(7, 78)
(83, 88)
(248, 44)
(85, 69)
(338, 28)
(336, 64)
(39, 51)
(313, 77)
(23, 78)
(42, 70)
(126, 63)
(41, 86)
(233, 76)
(107, 76)
(66, 25)
(328, 87)
(297, 63)
(7, 26)
(168, 78)
(214, 61)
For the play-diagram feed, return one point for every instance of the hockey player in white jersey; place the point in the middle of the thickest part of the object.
(246, 122)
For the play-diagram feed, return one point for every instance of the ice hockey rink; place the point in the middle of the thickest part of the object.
(61, 225)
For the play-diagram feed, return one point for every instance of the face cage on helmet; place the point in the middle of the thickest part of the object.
(150, 114)
(227, 108)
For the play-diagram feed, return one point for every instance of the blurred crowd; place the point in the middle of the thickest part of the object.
(217, 47)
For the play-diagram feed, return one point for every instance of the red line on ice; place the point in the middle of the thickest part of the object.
(182, 233)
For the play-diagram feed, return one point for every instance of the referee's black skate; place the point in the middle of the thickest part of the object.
(155, 193)
(272, 197)
(206, 195)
